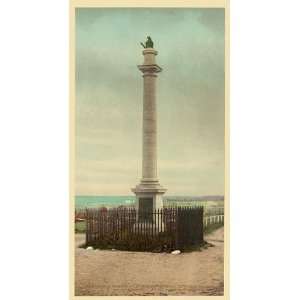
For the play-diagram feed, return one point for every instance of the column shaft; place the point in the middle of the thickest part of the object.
(149, 127)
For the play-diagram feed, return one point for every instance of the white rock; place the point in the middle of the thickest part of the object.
(89, 248)
(113, 249)
(176, 252)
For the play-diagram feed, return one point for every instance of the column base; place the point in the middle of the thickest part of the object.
(149, 198)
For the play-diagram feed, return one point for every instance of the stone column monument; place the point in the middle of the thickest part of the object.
(149, 192)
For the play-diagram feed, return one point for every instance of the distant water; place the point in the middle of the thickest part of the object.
(115, 201)
(107, 201)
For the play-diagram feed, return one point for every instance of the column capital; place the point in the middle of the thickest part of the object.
(149, 69)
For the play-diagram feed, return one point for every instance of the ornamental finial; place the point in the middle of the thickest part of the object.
(149, 43)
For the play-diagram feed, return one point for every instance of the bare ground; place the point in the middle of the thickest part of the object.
(122, 273)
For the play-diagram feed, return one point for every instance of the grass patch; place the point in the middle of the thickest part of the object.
(162, 242)
(80, 227)
(139, 244)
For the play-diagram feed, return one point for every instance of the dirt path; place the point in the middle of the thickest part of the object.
(122, 273)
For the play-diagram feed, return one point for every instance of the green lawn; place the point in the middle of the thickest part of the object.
(80, 227)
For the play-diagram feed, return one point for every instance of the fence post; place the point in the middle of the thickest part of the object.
(177, 227)
(87, 227)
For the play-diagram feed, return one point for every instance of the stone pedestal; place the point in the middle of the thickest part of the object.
(149, 192)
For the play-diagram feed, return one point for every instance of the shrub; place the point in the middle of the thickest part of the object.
(162, 242)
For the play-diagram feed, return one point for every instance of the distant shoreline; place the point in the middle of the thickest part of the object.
(195, 198)
(206, 197)
(116, 201)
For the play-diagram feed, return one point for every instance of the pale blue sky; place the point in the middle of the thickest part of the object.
(190, 99)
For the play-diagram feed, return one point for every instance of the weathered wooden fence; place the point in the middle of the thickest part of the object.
(189, 226)
(127, 228)
(211, 220)
(213, 216)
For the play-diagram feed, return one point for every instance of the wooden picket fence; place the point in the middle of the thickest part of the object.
(212, 220)
(130, 229)
(212, 216)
